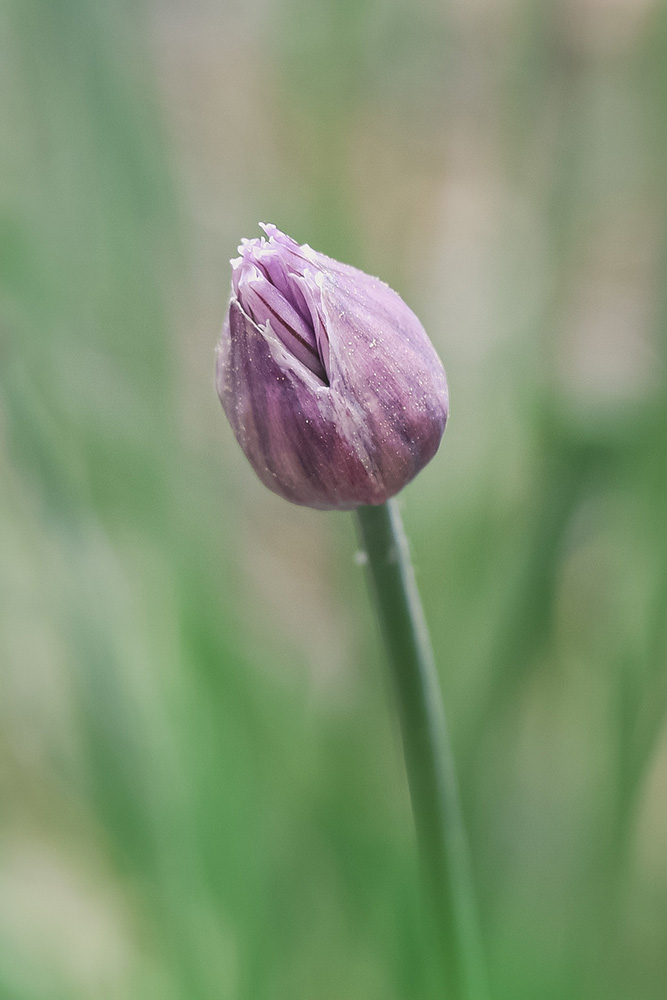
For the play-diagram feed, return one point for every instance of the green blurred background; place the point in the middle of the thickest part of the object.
(201, 784)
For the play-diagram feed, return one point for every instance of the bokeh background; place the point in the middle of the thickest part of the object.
(201, 784)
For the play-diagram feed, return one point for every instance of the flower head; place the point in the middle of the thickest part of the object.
(329, 381)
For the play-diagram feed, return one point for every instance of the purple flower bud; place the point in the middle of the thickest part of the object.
(329, 381)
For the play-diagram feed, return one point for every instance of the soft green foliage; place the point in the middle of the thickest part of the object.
(201, 784)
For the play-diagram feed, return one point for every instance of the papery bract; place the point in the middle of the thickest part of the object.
(330, 383)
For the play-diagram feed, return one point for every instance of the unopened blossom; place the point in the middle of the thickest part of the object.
(330, 383)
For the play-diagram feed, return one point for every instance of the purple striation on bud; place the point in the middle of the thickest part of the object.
(329, 381)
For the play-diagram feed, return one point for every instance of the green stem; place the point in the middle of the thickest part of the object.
(428, 755)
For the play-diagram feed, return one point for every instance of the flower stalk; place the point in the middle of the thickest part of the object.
(428, 755)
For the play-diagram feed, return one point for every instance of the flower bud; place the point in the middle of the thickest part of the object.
(329, 381)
